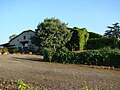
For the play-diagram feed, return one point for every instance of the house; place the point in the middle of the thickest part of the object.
(23, 41)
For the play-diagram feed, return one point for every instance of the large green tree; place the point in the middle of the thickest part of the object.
(114, 31)
(51, 33)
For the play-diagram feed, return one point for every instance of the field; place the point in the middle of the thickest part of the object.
(54, 76)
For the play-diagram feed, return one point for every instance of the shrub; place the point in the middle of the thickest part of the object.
(5, 50)
(48, 54)
(93, 35)
(63, 56)
(99, 57)
(15, 50)
(98, 43)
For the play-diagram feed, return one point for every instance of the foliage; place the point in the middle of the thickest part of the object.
(12, 36)
(78, 39)
(119, 44)
(63, 56)
(5, 50)
(87, 88)
(114, 31)
(99, 57)
(93, 35)
(102, 57)
(48, 54)
(98, 43)
(22, 86)
(14, 50)
(83, 38)
(16, 85)
(52, 33)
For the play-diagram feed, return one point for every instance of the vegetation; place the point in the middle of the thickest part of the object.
(102, 57)
(93, 35)
(20, 85)
(48, 54)
(12, 36)
(3, 50)
(52, 33)
(16, 85)
(114, 31)
(15, 50)
(78, 39)
(98, 43)
(63, 56)
(53, 36)
(87, 88)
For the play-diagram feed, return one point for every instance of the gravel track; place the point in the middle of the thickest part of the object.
(55, 76)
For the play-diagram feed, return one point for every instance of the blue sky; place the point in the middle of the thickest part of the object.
(20, 15)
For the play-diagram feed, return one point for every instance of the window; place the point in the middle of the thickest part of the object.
(24, 37)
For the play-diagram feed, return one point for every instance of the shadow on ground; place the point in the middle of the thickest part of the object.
(28, 59)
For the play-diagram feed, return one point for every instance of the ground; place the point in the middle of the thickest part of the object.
(55, 76)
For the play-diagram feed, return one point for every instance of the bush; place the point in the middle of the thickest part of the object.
(48, 54)
(5, 50)
(63, 56)
(98, 43)
(99, 57)
(102, 57)
(93, 35)
(15, 50)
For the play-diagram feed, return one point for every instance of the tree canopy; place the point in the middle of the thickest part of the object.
(114, 31)
(12, 36)
(51, 33)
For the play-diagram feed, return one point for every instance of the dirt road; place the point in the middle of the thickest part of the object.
(54, 76)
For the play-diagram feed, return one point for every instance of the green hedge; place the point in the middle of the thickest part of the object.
(95, 35)
(91, 57)
(98, 43)
(63, 56)
(100, 58)
(78, 39)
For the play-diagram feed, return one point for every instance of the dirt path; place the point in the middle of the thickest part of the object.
(54, 76)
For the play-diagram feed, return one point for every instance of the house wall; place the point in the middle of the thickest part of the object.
(25, 36)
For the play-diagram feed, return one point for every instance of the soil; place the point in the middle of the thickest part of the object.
(54, 76)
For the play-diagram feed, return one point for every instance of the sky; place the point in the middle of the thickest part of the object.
(17, 16)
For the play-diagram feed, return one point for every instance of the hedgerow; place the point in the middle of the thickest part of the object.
(98, 43)
(91, 57)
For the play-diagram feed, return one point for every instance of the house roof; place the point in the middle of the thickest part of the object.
(21, 33)
(5, 45)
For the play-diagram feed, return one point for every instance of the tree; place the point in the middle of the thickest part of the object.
(52, 33)
(114, 31)
(12, 36)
